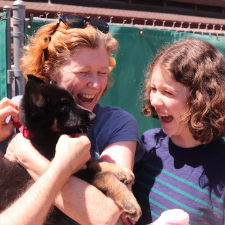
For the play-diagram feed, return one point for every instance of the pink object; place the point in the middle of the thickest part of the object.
(22, 129)
(173, 217)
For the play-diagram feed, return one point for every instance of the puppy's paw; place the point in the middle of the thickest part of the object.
(131, 208)
(123, 174)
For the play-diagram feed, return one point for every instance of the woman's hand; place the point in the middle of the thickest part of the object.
(72, 153)
(7, 108)
(20, 149)
(124, 220)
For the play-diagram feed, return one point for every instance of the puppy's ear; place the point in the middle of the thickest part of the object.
(34, 78)
(33, 94)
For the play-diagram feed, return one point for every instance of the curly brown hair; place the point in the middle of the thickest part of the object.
(54, 44)
(201, 67)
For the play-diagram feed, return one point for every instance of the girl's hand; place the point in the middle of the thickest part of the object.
(7, 108)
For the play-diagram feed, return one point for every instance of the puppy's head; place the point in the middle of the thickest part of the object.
(47, 109)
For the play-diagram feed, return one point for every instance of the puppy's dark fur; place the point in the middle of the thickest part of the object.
(48, 111)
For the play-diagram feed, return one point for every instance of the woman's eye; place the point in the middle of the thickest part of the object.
(83, 73)
(102, 73)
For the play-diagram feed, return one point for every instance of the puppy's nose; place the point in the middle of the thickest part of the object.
(92, 116)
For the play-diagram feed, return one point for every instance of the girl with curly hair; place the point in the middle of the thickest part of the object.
(184, 162)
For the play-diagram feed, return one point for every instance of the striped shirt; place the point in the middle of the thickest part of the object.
(170, 177)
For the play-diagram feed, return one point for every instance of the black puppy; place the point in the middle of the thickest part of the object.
(47, 111)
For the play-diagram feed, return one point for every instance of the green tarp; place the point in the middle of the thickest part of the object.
(135, 53)
(3, 70)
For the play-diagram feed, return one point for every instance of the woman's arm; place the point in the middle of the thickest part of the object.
(79, 200)
(122, 153)
(40, 196)
(92, 202)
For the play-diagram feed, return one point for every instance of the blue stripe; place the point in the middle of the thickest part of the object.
(180, 204)
(184, 181)
(160, 206)
(184, 193)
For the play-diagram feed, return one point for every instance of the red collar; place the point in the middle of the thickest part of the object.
(22, 129)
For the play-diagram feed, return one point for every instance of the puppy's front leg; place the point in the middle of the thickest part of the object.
(122, 173)
(118, 191)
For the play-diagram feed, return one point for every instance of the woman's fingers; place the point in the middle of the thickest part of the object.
(7, 102)
(7, 128)
(9, 111)
(7, 108)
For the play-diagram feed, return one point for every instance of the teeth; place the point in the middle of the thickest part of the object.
(88, 96)
(161, 114)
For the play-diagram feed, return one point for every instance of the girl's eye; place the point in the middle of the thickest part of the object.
(153, 89)
(168, 93)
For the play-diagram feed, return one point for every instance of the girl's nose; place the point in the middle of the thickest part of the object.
(156, 101)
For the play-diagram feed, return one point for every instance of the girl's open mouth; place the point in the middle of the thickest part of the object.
(166, 118)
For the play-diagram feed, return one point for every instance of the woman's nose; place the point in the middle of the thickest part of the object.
(94, 82)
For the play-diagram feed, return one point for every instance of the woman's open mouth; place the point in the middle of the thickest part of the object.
(85, 98)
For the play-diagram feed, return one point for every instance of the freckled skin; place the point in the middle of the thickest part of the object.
(85, 74)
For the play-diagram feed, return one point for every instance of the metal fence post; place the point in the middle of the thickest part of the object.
(7, 10)
(19, 10)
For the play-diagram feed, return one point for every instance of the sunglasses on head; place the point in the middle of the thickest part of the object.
(77, 21)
